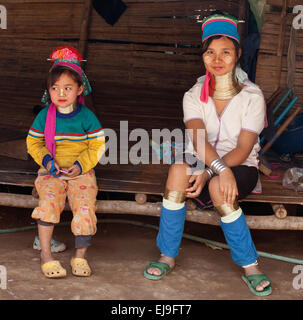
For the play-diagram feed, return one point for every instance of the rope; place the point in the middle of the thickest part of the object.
(153, 227)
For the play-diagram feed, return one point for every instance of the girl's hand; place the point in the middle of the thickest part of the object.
(228, 186)
(199, 182)
(72, 171)
(49, 165)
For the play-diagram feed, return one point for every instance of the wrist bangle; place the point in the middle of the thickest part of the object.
(210, 173)
(218, 165)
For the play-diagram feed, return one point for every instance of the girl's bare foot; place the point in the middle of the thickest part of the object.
(46, 257)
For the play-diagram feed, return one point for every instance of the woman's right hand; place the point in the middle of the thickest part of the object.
(197, 183)
(228, 186)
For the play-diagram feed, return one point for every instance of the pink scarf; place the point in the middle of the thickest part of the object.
(205, 89)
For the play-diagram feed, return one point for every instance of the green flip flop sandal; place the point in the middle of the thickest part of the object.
(254, 280)
(162, 266)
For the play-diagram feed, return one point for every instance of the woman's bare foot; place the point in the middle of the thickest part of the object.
(157, 272)
(255, 270)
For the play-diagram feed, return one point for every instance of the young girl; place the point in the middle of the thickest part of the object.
(67, 141)
(231, 111)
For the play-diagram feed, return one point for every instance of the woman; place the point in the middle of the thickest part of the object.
(231, 111)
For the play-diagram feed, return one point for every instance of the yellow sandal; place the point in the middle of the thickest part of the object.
(80, 267)
(53, 269)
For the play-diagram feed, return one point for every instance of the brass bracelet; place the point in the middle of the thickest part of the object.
(226, 209)
(174, 196)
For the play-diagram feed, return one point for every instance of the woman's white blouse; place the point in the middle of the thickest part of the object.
(245, 111)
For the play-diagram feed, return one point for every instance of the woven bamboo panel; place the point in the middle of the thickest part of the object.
(268, 60)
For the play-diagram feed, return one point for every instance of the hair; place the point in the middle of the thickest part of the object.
(56, 72)
(208, 41)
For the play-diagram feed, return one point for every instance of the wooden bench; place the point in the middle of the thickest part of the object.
(143, 186)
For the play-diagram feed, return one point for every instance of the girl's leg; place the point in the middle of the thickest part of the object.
(236, 231)
(45, 235)
(81, 244)
(82, 193)
(51, 203)
(172, 216)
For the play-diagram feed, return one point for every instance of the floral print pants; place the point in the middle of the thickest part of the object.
(81, 192)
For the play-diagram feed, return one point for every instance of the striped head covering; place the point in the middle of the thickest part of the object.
(220, 24)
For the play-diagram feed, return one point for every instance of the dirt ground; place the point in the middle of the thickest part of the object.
(121, 251)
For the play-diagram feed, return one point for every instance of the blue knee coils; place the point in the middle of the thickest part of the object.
(239, 239)
(171, 231)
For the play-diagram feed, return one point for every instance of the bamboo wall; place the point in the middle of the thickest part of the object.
(141, 65)
(268, 74)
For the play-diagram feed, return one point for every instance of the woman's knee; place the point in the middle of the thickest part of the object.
(178, 176)
(215, 192)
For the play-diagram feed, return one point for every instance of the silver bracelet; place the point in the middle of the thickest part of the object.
(218, 165)
(210, 173)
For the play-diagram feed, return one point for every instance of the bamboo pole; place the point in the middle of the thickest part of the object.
(154, 209)
(273, 96)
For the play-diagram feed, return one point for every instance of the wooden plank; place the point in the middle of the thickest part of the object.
(14, 149)
(7, 2)
(279, 3)
(25, 63)
(166, 22)
(7, 134)
(28, 20)
(139, 178)
(126, 64)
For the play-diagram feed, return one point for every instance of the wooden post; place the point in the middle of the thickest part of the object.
(280, 44)
(242, 15)
(82, 46)
(84, 31)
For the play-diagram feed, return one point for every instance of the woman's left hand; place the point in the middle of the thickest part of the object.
(228, 186)
(73, 171)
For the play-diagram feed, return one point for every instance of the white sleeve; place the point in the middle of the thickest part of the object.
(254, 115)
(192, 106)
